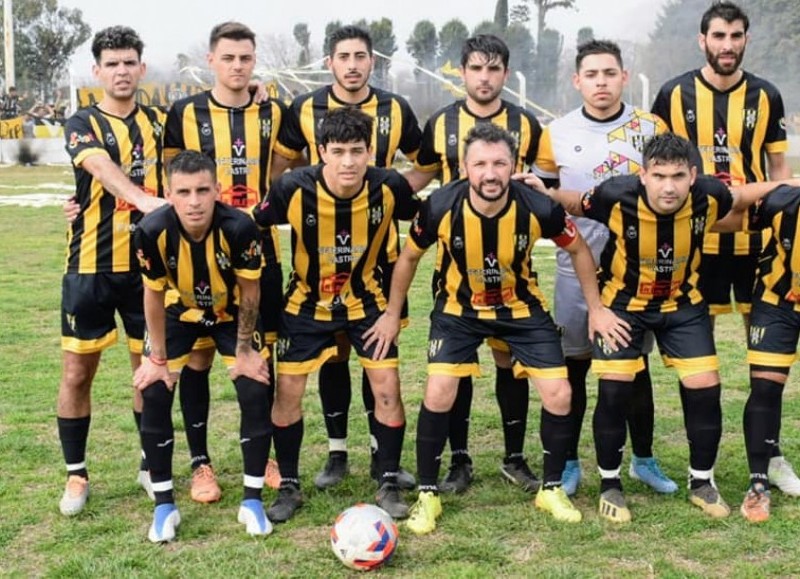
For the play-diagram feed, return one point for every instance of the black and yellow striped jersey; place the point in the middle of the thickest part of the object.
(239, 139)
(486, 269)
(395, 125)
(733, 131)
(99, 240)
(199, 277)
(337, 243)
(779, 265)
(442, 146)
(651, 261)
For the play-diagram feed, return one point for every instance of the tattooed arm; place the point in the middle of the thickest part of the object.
(248, 361)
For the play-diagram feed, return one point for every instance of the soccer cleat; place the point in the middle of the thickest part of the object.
(571, 477)
(405, 480)
(649, 472)
(458, 478)
(556, 502)
(332, 473)
(284, 507)
(520, 474)
(144, 481)
(423, 514)
(707, 497)
(75, 495)
(251, 514)
(389, 499)
(272, 475)
(204, 485)
(782, 475)
(166, 520)
(755, 507)
(613, 508)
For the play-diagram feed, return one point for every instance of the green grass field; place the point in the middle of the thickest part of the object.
(492, 530)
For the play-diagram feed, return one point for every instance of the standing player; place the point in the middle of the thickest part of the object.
(115, 147)
(485, 227)
(736, 119)
(227, 124)
(648, 277)
(395, 127)
(200, 262)
(579, 150)
(484, 68)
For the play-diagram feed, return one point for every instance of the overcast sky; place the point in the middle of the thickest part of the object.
(172, 26)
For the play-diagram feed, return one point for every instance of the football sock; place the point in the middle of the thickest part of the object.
(158, 438)
(255, 431)
(512, 398)
(555, 432)
(335, 393)
(641, 413)
(287, 450)
(761, 425)
(431, 437)
(390, 445)
(608, 424)
(702, 415)
(576, 374)
(194, 394)
(73, 433)
(459, 422)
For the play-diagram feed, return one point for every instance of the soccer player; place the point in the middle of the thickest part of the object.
(200, 261)
(395, 127)
(115, 147)
(485, 226)
(648, 275)
(240, 134)
(602, 138)
(341, 213)
(772, 341)
(736, 119)
(484, 68)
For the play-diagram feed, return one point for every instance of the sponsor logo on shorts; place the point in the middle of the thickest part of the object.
(434, 347)
(757, 334)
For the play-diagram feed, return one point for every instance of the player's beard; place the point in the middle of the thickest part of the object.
(490, 198)
(728, 70)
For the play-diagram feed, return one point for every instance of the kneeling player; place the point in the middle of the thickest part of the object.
(200, 262)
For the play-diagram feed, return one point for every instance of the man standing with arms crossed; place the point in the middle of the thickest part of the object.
(115, 148)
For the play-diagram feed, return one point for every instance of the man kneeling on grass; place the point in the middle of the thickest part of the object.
(200, 262)
(485, 227)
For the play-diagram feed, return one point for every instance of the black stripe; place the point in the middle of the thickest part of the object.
(452, 137)
(688, 108)
(384, 131)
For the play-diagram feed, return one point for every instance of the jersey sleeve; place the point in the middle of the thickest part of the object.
(773, 203)
(776, 140)
(545, 164)
(274, 208)
(661, 106)
(81, 139)
(595, 202)
(536, 140)
(173, 133)
(423, 231)
(558, 226)
(291, 141)
(428, 160)
(411, 136)
(406, 201)
(151, 265)
(246, 250)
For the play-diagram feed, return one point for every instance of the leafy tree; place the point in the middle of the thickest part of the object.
(45, 38)
(330, 28)
(501, 14)
(383, 41)
(488, 27)
(303, 38)
(451, 39)
(522, 48)
(585, 34)
(547, 58)
(542, 8)
(423, 44)
(520, 13)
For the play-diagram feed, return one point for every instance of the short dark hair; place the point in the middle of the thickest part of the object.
(348, 32)
(490, 133)
(346, 125)
(668, 148)
(728, 11)
(489, 44)
(116, 38)
(190, 163)
(232, 31)
(597, 47)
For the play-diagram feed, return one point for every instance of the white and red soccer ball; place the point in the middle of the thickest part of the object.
(364, 537)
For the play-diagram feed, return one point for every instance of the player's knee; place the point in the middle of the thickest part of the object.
(557, 399)
(440, 393)
(157, 408)
(252, 395)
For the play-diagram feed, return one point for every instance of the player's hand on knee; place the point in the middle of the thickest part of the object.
(249, 363)
(614, 330)
(151, 371)
(382, 335)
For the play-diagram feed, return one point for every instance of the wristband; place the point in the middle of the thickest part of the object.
(157, 361)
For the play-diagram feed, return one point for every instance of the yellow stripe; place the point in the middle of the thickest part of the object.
(309, 366)
(459, 370)
(252, 136)
(371, 364)
(521, 371)
(135, 346)
(676, 119)
(770, 359)
(735, 128)
(625, 367)
(78, 346)
(691, 366)
(705, 126)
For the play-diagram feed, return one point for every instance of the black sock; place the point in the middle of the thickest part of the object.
(613, 398)
(431, 437)
(390, 445)
(556, 433)
(369, 407)
(73, 433)
(459, 422)
(255, 430)
(137, 418)
(287, 450)
(761, 425)
(702, 415)
(641, 413)
(195, 399)
(158, 438)
(577, 369)
(334, 393)
(512, 398)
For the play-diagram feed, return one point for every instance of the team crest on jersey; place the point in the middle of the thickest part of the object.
(238, 147)
(458, 243)
(384, 125)
(434, 347)
(522, 242)
(311, 220)
(266, 128)
(515, 136)
(157, 129)
(631, 232)
(205, 130)
(750, 118)
(698, 225)
(787, 244)
(757, 334)
(110, 139)
(452, 140)
(172, 263)
(376, 215)
(223, 261)
(690, 116)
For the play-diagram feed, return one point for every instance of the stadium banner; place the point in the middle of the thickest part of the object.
(160, 95)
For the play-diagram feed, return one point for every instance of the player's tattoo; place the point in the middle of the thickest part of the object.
(248, 314)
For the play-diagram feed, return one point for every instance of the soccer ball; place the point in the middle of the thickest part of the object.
(364, 537)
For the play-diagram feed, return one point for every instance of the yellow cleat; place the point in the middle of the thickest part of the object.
(423, 514)
(613, 508)
(556, 502)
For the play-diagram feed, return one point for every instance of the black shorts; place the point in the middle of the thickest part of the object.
(534, 343)
(88, 304)
(684, 337)
(720, 273)
(305, 344)
(774, 330)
